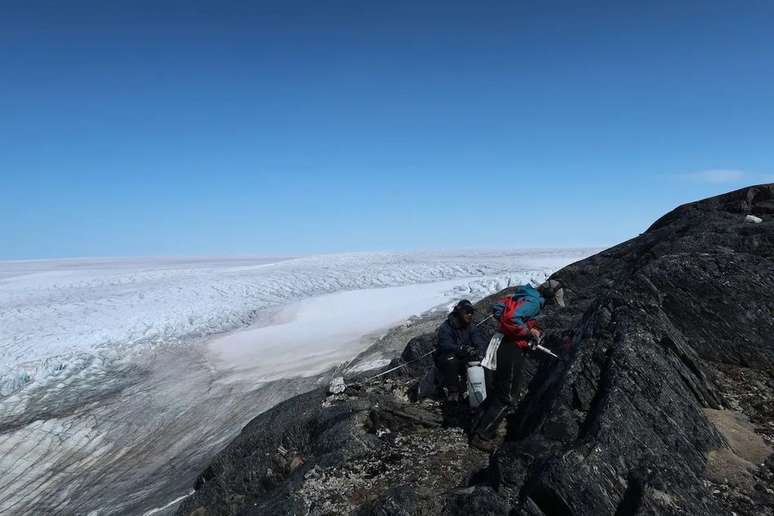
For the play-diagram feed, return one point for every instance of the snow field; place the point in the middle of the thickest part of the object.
(60, 316)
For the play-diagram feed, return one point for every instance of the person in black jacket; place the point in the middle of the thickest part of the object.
(459, 342)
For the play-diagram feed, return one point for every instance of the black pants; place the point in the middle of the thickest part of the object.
(452, 369)
(505, 389)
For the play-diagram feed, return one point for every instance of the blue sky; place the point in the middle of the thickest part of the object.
(275, 128)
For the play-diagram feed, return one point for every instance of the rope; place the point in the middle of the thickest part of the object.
(398, 367)
(412, 361)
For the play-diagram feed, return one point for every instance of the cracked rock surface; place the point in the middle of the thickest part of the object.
(663, 402)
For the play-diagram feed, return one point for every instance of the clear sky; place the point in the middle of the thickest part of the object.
(297, 127)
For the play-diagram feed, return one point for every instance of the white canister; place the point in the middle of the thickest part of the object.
(476, 384)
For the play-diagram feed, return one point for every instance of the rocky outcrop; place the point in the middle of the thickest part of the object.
(667, 357)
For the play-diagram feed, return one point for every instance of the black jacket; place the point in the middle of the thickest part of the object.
(453, 338)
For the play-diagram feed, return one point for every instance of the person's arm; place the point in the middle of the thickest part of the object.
(478, 340)
(446, 341)
(519, 321)
(498, 309)
(524, 323)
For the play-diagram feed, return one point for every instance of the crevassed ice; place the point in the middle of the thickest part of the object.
(55, 314)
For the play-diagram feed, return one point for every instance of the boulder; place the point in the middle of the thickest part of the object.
(664, 386)
(621, 427)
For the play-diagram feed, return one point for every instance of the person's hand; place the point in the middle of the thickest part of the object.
(471, 352)
(535, 337)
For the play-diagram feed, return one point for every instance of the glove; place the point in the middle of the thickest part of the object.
(535, 338)
(471, 353)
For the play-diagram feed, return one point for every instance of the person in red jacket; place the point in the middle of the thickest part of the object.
(516, 315)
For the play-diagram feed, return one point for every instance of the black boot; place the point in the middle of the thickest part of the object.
(480, 443)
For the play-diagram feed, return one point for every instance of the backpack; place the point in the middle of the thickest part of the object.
(518, 312)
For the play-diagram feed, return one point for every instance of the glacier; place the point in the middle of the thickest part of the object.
(65, 314)
(121, 378)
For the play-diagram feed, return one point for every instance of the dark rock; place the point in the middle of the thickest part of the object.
(418, 355)
(398, 501)
(401, 417)
(754, 200)
(476, 500)
(419, 347)
(620, 427)
(655, 334)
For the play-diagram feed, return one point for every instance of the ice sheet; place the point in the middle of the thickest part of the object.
(323, 331)
(73, 314)
(124, 406)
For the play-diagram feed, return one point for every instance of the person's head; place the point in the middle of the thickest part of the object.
(546, 291)
(464, 311)
(552, 292)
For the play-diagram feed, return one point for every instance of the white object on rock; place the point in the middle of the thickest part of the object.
(337, 385)
(753, 219)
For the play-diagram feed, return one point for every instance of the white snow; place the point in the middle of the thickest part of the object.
(73, 314)
(128, 374)
(322, 331)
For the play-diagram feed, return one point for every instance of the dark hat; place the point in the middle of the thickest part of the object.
(464, 307)
(552, 292)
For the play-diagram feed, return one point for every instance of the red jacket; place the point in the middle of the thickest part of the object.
(516, 315)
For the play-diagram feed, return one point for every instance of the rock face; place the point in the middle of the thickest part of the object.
(663, 402)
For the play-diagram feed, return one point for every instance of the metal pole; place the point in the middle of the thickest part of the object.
(546, 351)
(483, 321)
(398, 367)
(420, 358)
